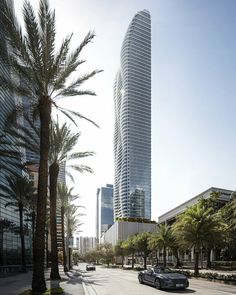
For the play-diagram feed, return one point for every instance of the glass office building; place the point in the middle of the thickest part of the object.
(104, 214)
(10, 247)
(132, 132)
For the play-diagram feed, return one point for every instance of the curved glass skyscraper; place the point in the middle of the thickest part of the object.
(132, 134)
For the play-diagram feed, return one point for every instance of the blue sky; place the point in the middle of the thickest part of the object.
(193, 93)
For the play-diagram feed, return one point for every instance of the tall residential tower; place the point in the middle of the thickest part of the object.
(132, 134)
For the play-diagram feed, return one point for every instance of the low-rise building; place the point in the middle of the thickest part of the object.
(121, 230)
(170, 216)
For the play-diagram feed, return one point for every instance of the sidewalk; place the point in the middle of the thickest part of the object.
(71, 283)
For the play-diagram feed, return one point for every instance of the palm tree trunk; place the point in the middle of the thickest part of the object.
(208, 265)
(176, 254)
(33, 225)
(38, 279)
(53, 172)
(69, 258)
(22, 239)
(132, 260)
(157, 260)
(63, 238)
(47, 251)
(145, 261)
(196, 269)
(164, 256)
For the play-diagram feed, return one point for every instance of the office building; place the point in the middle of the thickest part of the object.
(85, 244)
(132, 132)
(10, 245)
(104, 209)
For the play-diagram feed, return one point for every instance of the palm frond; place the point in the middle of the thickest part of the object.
(70, 175)
(32, 34)
(71, 89)
(48, 32)
(70, 113)
(76, 156)
(81, 168)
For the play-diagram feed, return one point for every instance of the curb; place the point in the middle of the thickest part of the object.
(88, 288)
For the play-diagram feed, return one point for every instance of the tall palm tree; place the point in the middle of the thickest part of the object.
(65, 197)
(196, 227)
(72, 226)
(160, 240)
(18, 191)
(45, 73)
(62, 143)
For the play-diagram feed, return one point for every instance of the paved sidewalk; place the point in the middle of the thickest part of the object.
(71, 283)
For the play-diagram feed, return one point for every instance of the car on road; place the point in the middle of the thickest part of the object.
(90, 267)
(163, 278)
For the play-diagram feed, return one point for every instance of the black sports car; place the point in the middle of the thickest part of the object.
(163, 278)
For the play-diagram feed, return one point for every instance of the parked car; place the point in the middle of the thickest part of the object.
(163, 278)
(90, 267)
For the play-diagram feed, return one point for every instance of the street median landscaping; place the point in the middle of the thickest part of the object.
(211, 276)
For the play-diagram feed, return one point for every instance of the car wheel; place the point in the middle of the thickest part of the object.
(140, 279)
(157, 284)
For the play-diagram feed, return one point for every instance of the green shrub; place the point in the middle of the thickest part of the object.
(53, 291)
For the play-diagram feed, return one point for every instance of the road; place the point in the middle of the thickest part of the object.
(106, 281)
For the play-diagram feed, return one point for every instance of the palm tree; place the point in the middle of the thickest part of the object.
(45, 73)
(18, 191)
(196, 227)
(141, 241)
(62, 142)
(130, 246)
(72, 226)
(65, 197)
(228, 213)
(120, 251)
(160, 240)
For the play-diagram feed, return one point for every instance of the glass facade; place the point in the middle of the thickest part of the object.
(132, 131)
(10, 247)
(104, 217)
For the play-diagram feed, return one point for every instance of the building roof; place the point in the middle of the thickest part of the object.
(225, 196)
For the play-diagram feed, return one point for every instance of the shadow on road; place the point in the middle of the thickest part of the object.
(185, 291)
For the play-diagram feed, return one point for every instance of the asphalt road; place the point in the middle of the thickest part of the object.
(106, 281)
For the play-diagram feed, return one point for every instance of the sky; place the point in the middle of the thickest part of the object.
(193, 94)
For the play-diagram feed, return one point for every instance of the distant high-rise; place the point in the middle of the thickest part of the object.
(132, 134)
(104, 211)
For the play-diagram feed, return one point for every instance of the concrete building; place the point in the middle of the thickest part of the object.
(121, 230)
(132, 132)
(104, 209)
(85, 244)
(170, 216)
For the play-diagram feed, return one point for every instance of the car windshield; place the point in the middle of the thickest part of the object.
(162, 270)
